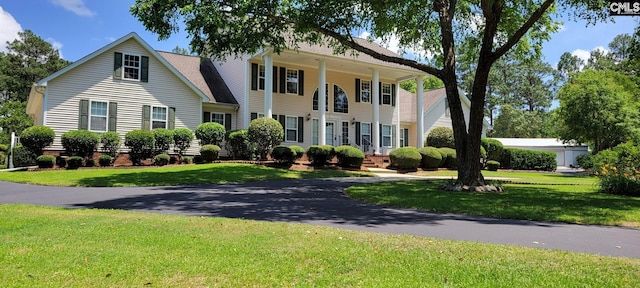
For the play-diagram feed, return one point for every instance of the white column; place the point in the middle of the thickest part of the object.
(419, 112)
(322, 102)
(268, 84)
(246, 116)
(375, 129)
(396, 116)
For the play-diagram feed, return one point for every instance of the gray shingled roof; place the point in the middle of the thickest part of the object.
(203, 75)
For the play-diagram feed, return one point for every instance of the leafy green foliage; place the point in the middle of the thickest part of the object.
(105, 160)
(209, 153)
(141, 144)
(493, 147)
(239, 146)
(452, 158)
(163, 139)
(493, 165)
(299, 151)
(36, 138)
(265, 133)
(319, 155)
(349, 156)
(618, 169)
(429, 83)
(161, 159)
(110, 143)
(13, 117)
(46, 161)
(187, 160)
(443, 155)
(182, 138)
(431, 157)
(80, 142)
(440, 137)
(74, 162)
(520, 159)
(22, 157)
(284, 155)
(585, 161)
(405, 158)
(210, 133)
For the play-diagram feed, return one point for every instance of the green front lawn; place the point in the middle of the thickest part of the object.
(544, 197)
(53, 247)
(167, 176)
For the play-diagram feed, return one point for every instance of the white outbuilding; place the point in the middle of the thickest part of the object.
(566, 153)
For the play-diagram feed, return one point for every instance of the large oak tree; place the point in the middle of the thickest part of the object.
(486, 30)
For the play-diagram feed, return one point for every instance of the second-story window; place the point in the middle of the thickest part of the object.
(292, 81)
(131, 67)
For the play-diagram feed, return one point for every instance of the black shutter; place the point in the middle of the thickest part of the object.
(206, 117)
(358, 92)
(254, 76)
(117, 65)
(274, 81)
(282, 119)
(283, 80)
(113, 116)
(380, 134)
(358, 133)
(406, 137)
(393, 95)
(146, 117)
(83, 121)
(172, 118)
(254, 116)
(144, 70)
(300, 82)
(379, 93)
(274, 116)
(300, 129)
(227, 121)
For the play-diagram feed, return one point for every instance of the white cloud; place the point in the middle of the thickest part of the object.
(56, 45)
(584, 54)
(76, 6)
(9, 29)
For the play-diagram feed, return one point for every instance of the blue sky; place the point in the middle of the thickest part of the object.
(79, 27)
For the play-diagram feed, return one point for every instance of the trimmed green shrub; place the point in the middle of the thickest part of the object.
(110, 143)
(349, 157)
(46, 161)
(283, 155)
(164, 139)
(441, 137)
(299, 151)
(61, 161)
(182, 138)
(483, 153)
(3, 160)
(608, 156)
(105, 160)
(74, 162)
(198, 159)
(443, 154)
(238, 144)
(210, 133)
(209, 153)
(519, 159)
(80, 142)
(36, 138)
(22, 157)
(431, 157)
(493, 148)
(4, 147)
(405, 158)
(141, 144)
(161, 159)
(187, 160)
(585, 161)
(493, 165)
(620, 175)
(265, 133)
(452, 159)
(319, 155)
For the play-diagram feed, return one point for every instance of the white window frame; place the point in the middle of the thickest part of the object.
(217, 114)
(345, 140)
(384, 136)
(289, 80)
(367, 90)
(166, 115)
(335, 88)
(402, 140)
(262, 76)
(383, 94)
(315, 133)
(125, 66)
(293, 129)
(260, 115)
(362, 134)
(106, 116)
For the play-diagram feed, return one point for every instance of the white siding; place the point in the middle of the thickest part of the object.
(233, 72)
(94, 81)
(436, 117)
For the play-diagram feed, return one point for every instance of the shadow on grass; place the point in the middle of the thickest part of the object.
(206, 174)
(526, 202)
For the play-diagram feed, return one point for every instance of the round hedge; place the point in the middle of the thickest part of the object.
(238, 144)
(452, 159)
(182, 138)
(46, 161)
(493, 165)
(441, 137)
(493, 148)
(22, 157)
(105, 160)
(349, 157)
(110, 143)
(284, 155)
(164, 139)
(265, 133)
(443, 154)
(161, 159)
(299, 151)
(405, 158)
(210, 133)
(319, 155)
(209, 152)
(431, 157)
(74, 162)
(141, 144)
(36, 138)
(80, 142)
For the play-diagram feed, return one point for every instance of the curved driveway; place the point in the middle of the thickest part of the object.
(322, 202)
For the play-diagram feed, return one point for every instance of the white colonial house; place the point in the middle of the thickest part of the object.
(128, 85)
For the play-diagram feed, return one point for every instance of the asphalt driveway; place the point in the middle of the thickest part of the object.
(322, 202)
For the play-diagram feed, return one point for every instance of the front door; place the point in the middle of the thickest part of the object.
(331, 133)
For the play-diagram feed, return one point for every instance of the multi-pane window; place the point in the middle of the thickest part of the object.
(131, 67)
(314, 132)
(365, 91)
(345, 133)
(340, 100)
(386, 93)
(158, 117)
(218, 118)
(403, 140)
(315, 98)
(98, 116)
(261, 76)
(386, 135)
(365, 134)
(291, 131)
(292, 81)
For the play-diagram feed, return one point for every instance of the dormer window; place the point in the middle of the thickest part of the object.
(130, 67)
